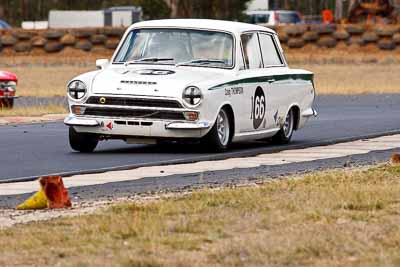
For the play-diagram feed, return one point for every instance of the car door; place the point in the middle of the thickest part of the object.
(273, 63)
(253, 112)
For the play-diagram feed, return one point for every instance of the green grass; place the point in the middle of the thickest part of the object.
(333, 78)
(332, 218)
(32, 111)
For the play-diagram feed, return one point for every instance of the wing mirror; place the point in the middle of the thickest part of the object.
(102, 63)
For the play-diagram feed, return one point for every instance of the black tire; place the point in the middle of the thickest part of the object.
(7, 103)
(82, 142)
(10, 103)
(214, 140)
(286, 132)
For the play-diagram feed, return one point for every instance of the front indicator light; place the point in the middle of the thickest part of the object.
(78, 110)
(191, 115)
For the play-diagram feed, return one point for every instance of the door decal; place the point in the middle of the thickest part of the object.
(259, 108)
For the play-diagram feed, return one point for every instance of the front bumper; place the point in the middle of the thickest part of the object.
(9, 97)
(138, 128)
(311, 112)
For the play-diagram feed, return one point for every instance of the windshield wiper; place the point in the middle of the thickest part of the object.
(148, 59)
(200, 61)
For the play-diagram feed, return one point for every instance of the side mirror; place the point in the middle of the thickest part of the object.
(102, 63)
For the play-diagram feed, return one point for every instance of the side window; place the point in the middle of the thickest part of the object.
(269, 51)
(251, 49)
(240, 61)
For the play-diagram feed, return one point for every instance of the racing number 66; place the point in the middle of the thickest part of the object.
(258, 107)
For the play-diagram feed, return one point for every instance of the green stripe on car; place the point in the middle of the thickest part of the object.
(264, 79)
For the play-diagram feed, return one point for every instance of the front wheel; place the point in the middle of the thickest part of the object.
(285, 133)
(82, 142)
(7, 103)
(219, 137)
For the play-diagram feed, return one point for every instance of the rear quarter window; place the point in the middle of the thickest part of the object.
(269, 51)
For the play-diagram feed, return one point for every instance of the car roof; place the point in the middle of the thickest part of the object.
(260, 11)
(219, 25)
(269, 11)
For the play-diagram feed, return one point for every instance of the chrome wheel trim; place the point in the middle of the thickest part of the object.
(288, 125)
(223, 127)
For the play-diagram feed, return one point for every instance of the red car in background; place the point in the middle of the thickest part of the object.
(8, 86)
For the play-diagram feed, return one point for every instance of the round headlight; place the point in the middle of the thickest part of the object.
(192, 96)
(77, 90)
(12, 85)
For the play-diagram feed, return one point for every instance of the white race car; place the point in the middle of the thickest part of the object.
(189, 79)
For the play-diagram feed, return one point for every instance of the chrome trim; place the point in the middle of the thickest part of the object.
(311, 112)
(130, 96)
(132, 107)
(73, 121)
(9, 97)
(187, 126)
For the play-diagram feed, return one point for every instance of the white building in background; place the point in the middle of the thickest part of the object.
(76, 18)
(123, 16)
(258, 5)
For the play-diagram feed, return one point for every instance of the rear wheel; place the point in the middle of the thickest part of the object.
(285, 133)
(82, 142)
(219, 137)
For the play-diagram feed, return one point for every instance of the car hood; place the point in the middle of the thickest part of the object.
(7, 76)
(150, 81)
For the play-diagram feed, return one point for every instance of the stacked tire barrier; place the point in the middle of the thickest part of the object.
(384, 37)
(53, 41)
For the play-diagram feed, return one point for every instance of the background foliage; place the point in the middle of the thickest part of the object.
(15, 11)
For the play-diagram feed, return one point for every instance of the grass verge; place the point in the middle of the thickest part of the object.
(349, 79)
(33, 111)
(333, 218)
(329, 78)
(344, 70)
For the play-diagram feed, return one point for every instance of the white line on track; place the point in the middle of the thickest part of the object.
(280, 158)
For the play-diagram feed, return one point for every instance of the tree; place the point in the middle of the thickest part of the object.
(15, 11)
(212, 9)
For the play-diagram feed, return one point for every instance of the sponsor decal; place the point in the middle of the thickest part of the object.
(276, 118)
(107, 125)
(258, 107)
(154, 72)
(234, 91)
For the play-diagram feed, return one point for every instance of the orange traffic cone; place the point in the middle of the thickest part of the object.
(52, 195)
(56, 193)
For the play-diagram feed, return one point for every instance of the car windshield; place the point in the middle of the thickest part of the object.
(4, 25)
(258, 18)
(177, 47)
(289, 18)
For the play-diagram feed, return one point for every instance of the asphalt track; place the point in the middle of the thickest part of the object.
(29, 151)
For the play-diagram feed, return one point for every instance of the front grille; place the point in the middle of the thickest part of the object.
(136, 113)
(138, 102)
